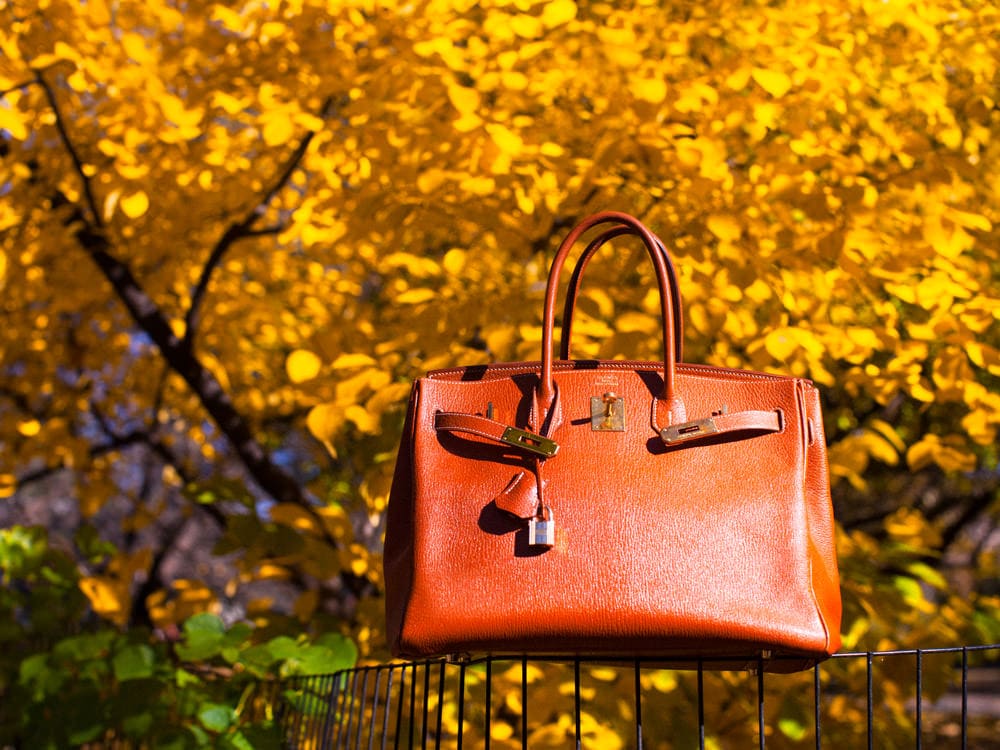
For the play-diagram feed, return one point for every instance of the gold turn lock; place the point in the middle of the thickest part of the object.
(607, 413)
(529, 441)
(678, 433)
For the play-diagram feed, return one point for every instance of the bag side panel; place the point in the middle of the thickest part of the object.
(822, 530)
(397, 560)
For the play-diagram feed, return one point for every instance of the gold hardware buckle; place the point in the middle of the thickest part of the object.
(678, 433)
(529, 441)
(607, 413)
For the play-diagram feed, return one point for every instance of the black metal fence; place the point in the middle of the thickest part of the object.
(933, 698)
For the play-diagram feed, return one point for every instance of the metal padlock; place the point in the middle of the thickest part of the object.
(542, 528)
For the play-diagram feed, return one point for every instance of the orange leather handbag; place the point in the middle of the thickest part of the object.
(652, 509)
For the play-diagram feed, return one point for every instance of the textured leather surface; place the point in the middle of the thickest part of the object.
(719, 546)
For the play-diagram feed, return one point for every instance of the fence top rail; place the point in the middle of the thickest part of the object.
(649, 662)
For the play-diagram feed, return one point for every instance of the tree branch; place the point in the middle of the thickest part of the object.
(245, 228)
(71, 150)
(16, 87)
(178, 354)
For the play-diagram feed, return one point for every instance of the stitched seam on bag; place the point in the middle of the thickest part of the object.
(470, 430)
(691, 370)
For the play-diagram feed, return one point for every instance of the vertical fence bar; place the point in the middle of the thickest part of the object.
(349, 714)
(330, 717)
(576, 704)
(319, 684)
(375, 702)
(427, 691)
(524, 703)
(760, 702)
(817, 719)
(638, 704)
(413, 704)
(488, 721)
(920, 698)
(869, 694)
(965, 698)
(461, 704)
(440, 706)
(294, 727)
(701, 705)
(361, 708)
(388, 704)
(399, 709)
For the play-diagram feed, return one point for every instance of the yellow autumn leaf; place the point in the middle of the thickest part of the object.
(13, 122)
(278, 129)
(134, 205)
(107, 598)
(725, 227)
(463, 98)
(479, 185)
(781, 343)
(294, 516)
(430, 180)
(774, 82)
(323, 422)
(8, 485)
(362, 418)
(558, 12)
(176, 111)
(353, 359)
(880, 448)
(29, 428)
(505, 139)
(416, 296)
(653, 90)
(984, 356)
(949, 453)
(981, 426)
(526, 26)
(970, 220)
(135, 47)
(302, 365)
(454, 260)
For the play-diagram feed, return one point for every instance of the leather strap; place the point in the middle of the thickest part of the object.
(572, 291)
(489, 429)
(498, 432)
(742, 421)
(546, 385)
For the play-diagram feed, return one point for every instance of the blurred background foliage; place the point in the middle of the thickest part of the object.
(233, 233)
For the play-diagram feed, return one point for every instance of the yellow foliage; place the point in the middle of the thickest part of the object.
(184, 598)
(353, 207)
(302, 365)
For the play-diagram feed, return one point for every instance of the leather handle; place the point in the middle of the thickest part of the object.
(546, 386)
(576, 278)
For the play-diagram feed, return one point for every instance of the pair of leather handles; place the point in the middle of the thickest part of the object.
(666, 279)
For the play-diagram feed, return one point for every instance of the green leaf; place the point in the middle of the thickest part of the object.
(239, 741)
(138, 725)
(134, 662)
(215, 717)
(183, 678)
(84, 647)
(792, 728)
(204, 622)
(258, 659)
(33, 668)
(282, 647)
(203, 637)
